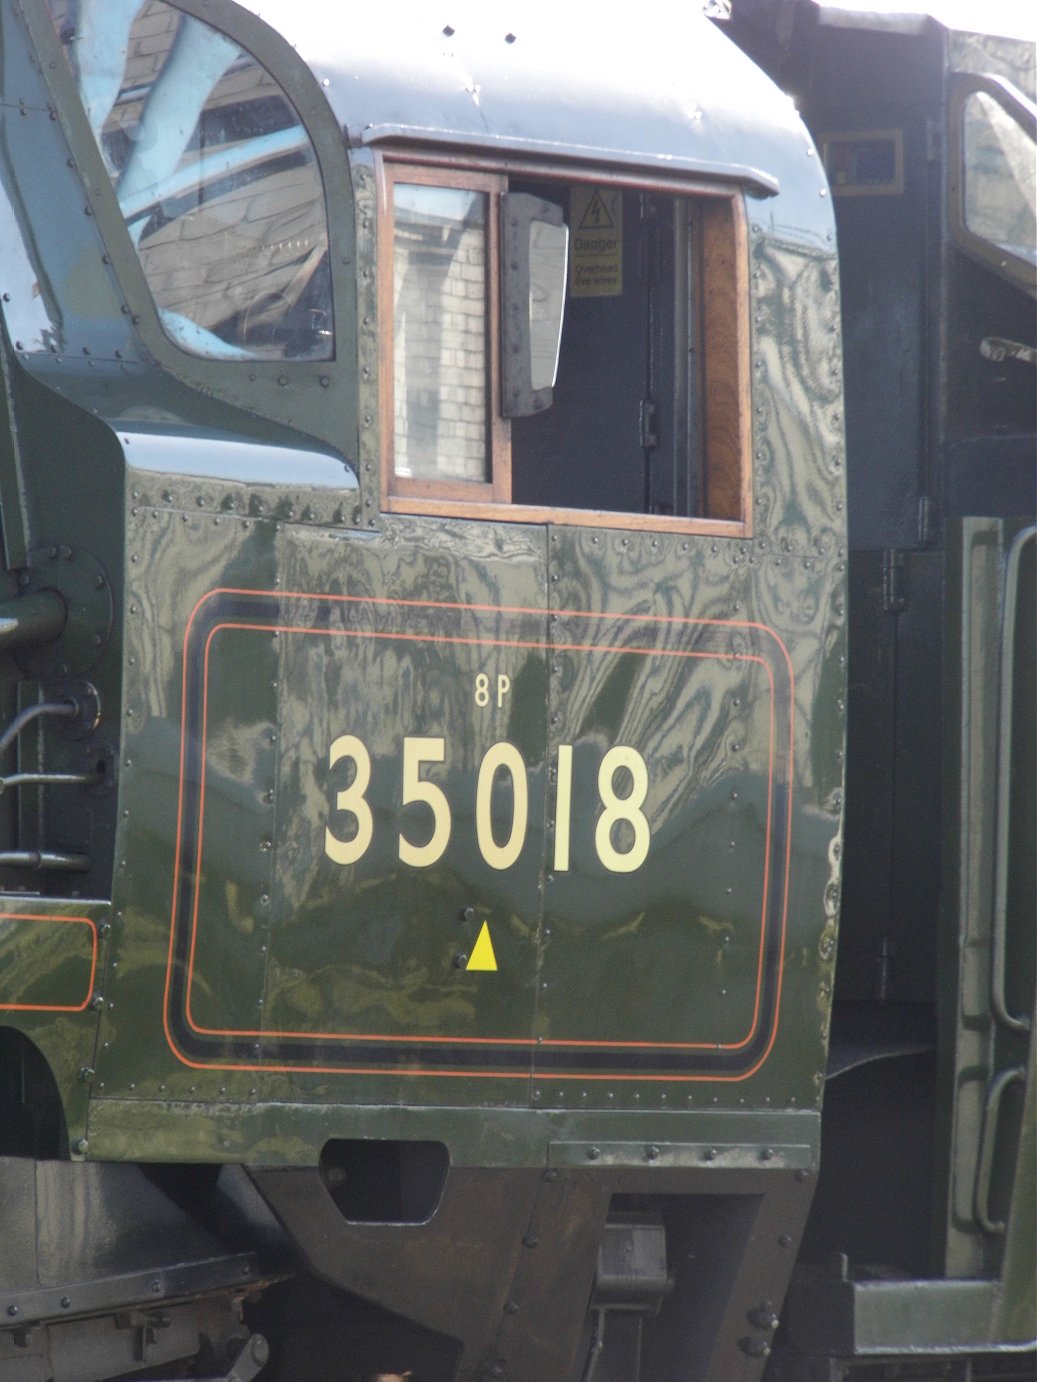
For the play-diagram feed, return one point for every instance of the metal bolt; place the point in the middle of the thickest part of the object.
(460, 960)
(86, 1073)
(755, 1347)
(652, 1153)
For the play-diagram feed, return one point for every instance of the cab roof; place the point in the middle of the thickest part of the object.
(576, 82)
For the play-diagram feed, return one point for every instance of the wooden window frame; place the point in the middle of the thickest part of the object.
(722, 267)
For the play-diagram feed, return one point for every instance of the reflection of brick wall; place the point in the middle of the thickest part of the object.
(440, 350)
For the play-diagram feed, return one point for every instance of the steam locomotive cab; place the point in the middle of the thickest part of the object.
(424, 638)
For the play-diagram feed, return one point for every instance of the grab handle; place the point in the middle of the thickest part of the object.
(998, 958)
(985, 1162)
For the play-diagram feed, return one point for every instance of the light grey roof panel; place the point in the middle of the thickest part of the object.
(664, 91)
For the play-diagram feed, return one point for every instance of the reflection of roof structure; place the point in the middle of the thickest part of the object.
(278, 234)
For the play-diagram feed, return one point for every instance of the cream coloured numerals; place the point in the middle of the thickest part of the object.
(618, 851)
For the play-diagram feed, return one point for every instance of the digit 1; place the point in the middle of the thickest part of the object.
(563, 807)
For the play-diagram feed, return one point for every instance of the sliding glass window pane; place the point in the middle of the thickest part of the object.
(440, 333)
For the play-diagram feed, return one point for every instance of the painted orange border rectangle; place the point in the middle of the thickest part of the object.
(531, 1042)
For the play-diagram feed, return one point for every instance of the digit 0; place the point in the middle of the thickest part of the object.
(501, 757)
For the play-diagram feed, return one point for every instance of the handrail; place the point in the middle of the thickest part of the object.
(1006, 677)
(985, 1161)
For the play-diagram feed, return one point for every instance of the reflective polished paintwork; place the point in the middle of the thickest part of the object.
(302, 979)
(247, 965)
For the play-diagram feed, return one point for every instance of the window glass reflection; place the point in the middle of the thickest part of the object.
(215, 176)
(440, 332)
(1000, 178)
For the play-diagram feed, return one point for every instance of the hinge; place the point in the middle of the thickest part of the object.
(925, 520)
(894, 585)
(649, 440)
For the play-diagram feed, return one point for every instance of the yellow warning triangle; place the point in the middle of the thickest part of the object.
(482, 956)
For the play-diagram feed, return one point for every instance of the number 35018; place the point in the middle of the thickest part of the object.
(620, 851)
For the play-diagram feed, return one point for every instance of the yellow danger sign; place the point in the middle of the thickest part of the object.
(482, 956)
(596, 257)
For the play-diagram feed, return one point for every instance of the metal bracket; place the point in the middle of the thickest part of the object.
(248, 1363)
(997, 349)
(894, 590)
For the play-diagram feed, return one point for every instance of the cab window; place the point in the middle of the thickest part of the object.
(636, 407)
(993, 175)
(216, 179)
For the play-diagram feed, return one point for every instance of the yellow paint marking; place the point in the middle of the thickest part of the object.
(483, 956)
